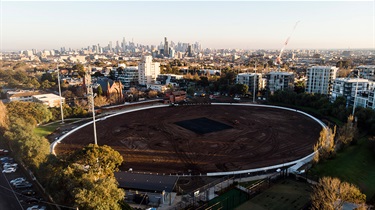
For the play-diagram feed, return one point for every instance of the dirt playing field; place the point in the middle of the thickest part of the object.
(185, 140)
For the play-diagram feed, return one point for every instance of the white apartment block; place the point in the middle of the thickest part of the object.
(279, 81)
(252, 80)
(320, 79)
(371, 98)
(366, 71)
(148, 71)
(129, 77)
(347, 88)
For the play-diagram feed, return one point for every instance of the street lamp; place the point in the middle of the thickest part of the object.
(58, 81)
(93, 114)
(255, 70)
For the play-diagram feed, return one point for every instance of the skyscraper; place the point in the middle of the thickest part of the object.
(123, 45)
(166, 47)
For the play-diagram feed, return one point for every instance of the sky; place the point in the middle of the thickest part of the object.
(215, 24)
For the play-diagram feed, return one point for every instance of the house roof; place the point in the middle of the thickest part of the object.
(148, 182)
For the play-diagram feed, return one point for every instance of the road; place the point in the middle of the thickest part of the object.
(8, 199)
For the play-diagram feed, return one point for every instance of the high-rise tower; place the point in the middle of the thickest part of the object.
(166, 47)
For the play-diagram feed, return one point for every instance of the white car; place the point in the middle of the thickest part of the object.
(19, 179)
(9, 170)
(36, 207)
(7, 165)
(20, 183)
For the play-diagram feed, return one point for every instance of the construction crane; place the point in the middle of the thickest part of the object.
(278, 59)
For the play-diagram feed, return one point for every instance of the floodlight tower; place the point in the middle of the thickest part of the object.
(58, 81)
(255, 74)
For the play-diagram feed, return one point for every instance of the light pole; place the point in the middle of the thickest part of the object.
(93, 114)
(58, 81)
(255, 74)
(355, 95)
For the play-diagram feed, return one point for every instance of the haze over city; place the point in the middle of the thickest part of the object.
(240, 25)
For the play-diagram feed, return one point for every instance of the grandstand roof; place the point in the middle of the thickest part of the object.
(148, 182)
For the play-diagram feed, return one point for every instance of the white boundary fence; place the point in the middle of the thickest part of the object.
(306, 159)
(53, 145)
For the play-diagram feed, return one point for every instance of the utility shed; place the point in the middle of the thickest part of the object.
(157, 187)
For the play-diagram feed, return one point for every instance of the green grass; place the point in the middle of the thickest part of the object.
(286, 194)
(228, 200)
(355, 164)
(44, 131)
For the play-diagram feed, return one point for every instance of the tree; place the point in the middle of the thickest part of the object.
(347, 132)
(3, 117)
(80, 69)
(86, 178)
(102, 160)
(299, 86)
(31, 112)
(325, 147)
(152, 93)
(99, 90)
(100, 101)
(102, 194)
(29, 147)
(330, 194)
(239, 89)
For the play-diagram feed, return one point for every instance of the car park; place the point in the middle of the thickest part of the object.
(9, 170)
(37, 207)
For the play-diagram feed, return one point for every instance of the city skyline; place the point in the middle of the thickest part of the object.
(234, 25)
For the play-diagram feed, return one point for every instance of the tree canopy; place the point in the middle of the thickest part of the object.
(330, 194)
(86, 178)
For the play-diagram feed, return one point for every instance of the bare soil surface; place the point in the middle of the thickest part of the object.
(151, 141)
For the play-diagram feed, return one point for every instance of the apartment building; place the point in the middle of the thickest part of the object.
(347, 88)
(320, 79)
(129, 77)
(279, 81)
(148, 71)
(252, 80)
(366, 71)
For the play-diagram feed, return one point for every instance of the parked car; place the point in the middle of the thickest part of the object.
(37, 207)
(19, 179)
(6, 159)
(7, 165)
(28, 192)
(23, 185)
(32, 201)
(20, 183)
(9, 170)
(3, 152)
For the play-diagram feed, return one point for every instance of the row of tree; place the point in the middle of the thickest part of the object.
(323, 107)
(84, 179)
